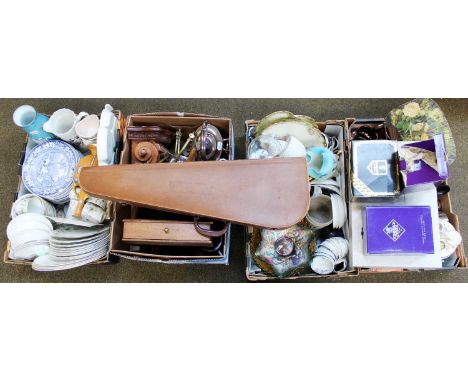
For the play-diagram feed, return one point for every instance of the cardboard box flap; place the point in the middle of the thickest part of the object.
(184, 121)
(175, 114)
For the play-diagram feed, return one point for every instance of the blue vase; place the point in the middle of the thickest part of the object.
(31, 122)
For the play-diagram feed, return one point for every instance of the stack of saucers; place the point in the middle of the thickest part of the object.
(72, 246)
(29, 236)
(48, 170)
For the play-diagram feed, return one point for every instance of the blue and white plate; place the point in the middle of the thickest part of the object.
(48, 170)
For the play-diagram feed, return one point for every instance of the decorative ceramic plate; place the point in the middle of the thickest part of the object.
(48, 169)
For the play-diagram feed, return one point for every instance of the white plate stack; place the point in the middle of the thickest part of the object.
(29, 236)
(48, 170)
(72, 246)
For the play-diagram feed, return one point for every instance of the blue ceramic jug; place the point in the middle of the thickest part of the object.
(31, 122)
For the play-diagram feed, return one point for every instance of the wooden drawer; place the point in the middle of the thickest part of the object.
(164, 232)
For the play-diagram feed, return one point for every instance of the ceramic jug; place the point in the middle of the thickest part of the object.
(62, 124)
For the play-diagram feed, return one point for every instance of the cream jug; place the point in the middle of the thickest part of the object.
(62, 124)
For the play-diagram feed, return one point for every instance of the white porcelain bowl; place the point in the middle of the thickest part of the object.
(28, 221)
(30, 235)
(31, 252)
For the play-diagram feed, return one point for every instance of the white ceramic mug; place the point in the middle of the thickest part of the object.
(102, 203)
(92, 213)
(62, 124)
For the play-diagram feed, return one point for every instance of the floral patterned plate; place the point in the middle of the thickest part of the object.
(420, 120)
(48, 170)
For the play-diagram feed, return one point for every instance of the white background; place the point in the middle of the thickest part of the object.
(234, 332)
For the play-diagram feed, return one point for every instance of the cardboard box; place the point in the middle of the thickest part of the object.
(252, 235)
(21, 190)
(445, 205)
(187, 122)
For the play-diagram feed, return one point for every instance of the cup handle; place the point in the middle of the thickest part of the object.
(317, 191)
(45, 127)
(81, 116)
(341, 265)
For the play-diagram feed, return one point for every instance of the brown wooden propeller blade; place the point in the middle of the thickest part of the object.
(264, 193)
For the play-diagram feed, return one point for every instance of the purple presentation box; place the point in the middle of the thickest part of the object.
(399, 229)
(427, 174)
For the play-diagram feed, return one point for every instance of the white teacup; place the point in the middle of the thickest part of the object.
(87, 130)
(88, 127)
(30, 203)
(63, 123)
(102, 203)
(324, 264)
(93, 213)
